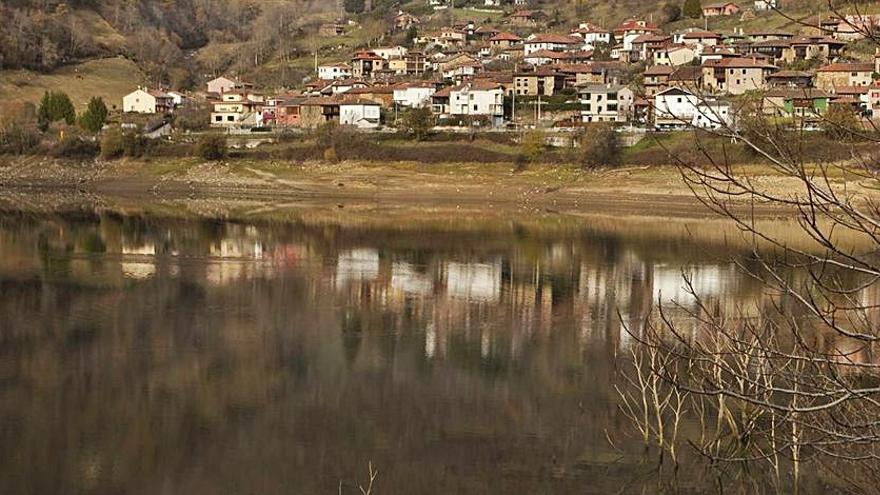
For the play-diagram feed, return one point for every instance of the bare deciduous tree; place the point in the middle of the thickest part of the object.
(795, 381)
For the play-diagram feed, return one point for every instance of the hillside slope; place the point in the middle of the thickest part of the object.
(109, 78)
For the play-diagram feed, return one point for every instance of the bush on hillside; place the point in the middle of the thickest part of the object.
(18, 128)
(133, 144)
(212, 147)
(116, 143)
(600, 146)
(111, 143)
(336, 137)
(75, 147)
(842, 124)
(417, 122)
(533, 145)
(692, 9)
(193, 116)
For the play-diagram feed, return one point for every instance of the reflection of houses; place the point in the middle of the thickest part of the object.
(473, 281)
(406, 279)
(674, 284)
(239, 243)
(357, 265)
(138, 261)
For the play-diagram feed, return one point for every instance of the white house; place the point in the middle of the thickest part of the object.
(177, 98)
(763, 5)
(389, 52)
(552, 42)
(147, 101)
(478, 98)
(712, 114)
(675, 108)
(334, 71)
(414, 95)
(462, 71)
(606, 103)
(678, 108)
(363, 114)
(697, 39)
(592, 34)
(631, 29)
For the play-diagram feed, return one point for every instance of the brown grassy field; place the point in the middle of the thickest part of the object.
(109, 78)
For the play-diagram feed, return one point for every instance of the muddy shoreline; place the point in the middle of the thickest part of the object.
(642, 192)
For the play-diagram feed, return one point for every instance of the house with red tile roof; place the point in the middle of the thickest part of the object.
(365, 64)
(836, 75)
(736, 75)
(501, 41)
(720, 9)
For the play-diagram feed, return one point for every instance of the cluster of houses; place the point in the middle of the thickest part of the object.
(469, 74)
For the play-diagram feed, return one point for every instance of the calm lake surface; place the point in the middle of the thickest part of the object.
(153, 355)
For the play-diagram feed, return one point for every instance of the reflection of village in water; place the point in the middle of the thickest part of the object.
(455, 286)
(336, 344)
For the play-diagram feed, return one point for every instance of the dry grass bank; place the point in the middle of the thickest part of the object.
(109, 78)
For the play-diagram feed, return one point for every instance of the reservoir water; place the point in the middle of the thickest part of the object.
(152, 354)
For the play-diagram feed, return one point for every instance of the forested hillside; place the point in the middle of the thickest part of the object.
(159, 35)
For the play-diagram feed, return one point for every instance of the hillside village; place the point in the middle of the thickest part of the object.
(517, 72)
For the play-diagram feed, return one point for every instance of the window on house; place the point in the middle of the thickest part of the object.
(476, 107)
(218, 118)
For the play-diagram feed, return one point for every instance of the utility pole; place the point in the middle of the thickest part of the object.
(513, 107)
(513, 110)
(538, 111)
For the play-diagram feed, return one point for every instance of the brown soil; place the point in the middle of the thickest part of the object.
(646, 191)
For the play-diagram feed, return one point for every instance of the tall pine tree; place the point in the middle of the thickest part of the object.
(55, 106)
(95, 115)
